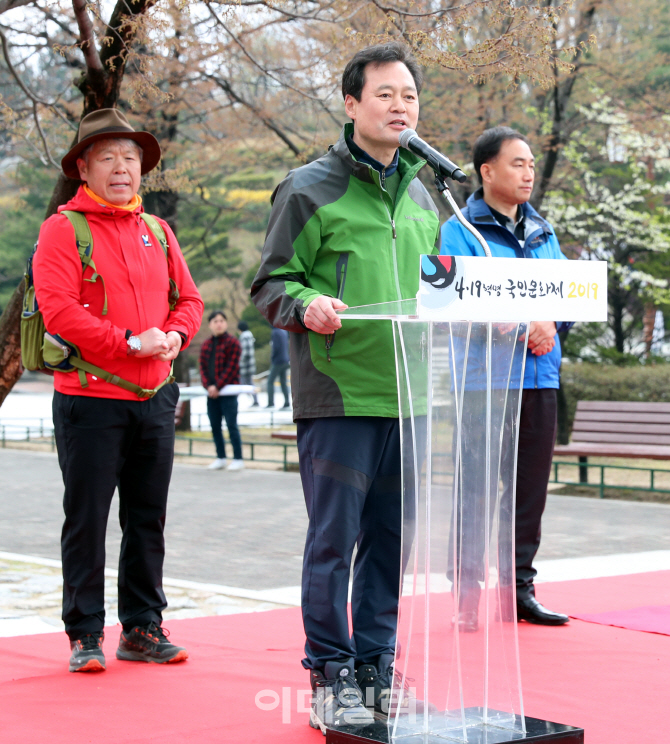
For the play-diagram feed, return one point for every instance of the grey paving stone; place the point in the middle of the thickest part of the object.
(246, 529)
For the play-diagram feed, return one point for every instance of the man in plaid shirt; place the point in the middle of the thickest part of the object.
(220, 366)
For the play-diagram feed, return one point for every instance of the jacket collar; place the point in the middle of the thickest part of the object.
(82, 202)
(406, 160)
(362, 157)
(480, 212)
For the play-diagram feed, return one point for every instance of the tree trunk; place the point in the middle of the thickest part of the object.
(10, 343)
(562, 413)
(101, 86)
(617, 306)
(563, 431)
(648, 324)
(559, 96)
(164, 204)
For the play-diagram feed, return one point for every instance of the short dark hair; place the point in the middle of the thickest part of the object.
(353, 77)
(487, 147)
(214, 313)
(243, 325)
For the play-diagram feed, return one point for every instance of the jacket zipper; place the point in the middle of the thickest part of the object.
(341, 272)
(393, 248)
(341, 268)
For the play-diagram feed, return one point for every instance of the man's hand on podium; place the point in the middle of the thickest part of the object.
(320, 315)
(541, 336)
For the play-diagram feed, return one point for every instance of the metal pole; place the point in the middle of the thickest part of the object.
(444, 189)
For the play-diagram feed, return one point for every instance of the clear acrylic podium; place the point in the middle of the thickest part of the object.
(457, 673)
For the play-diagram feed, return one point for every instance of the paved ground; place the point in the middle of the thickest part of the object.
(247, 528)
(243, 528)
(235, 539)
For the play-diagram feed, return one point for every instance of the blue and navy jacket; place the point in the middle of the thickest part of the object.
(539, 242)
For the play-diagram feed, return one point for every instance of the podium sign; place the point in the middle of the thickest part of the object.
(506, 289)
(460, 378)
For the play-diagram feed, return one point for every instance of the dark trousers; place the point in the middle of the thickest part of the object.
(248, 379)
(105, 443)
(277, 371)
(350, 470)
(537, 436)
(224, 407)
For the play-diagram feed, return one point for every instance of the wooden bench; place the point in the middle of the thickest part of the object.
(290, 435)
(618, 429)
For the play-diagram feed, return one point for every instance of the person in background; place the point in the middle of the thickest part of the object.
(279, 364)
(248, 358)
(500, 210)
(220, 366)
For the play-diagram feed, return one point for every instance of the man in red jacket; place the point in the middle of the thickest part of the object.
(118, 315)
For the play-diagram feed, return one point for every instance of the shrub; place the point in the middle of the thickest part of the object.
(648, 384)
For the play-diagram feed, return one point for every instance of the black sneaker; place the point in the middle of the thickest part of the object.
(375, 681)
(336, 698)
(87, 653)
(149, 643)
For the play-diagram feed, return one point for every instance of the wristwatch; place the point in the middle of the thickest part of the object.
(134, 345)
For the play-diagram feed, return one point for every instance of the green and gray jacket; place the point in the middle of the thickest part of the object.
(335, 231)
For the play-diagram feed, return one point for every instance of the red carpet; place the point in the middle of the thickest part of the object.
(646, 619)
(610, 681)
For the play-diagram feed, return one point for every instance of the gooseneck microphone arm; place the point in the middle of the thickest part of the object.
(443, 168)
(443, 187)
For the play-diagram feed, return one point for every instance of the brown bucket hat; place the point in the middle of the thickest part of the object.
(110, 124)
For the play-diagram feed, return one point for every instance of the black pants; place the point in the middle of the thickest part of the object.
(224, 407)
(537, 436)
(102, 444)
(278, 371)
(350, 469)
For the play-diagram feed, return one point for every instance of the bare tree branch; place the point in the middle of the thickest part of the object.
(5, 53)
(36, 116)
(86, 35)
(269, 123)
(6, 5)
(255, 62)
(560, 94)
(31, 95)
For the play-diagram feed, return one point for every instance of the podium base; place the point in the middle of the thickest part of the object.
(537, 730)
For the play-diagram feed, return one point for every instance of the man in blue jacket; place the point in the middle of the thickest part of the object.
(279, 364)
(513, 229)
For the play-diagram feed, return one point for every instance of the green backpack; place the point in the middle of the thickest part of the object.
(41, 350)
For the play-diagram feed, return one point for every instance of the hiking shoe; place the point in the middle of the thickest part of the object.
(375, 681)
(336, 698)
(87, 653)
(149, 643)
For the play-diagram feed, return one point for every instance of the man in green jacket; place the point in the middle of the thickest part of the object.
(349, 228)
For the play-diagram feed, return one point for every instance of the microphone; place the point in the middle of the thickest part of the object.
(410, 140)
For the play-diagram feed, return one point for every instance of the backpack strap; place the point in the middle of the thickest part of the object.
(84, 239)
(157, 229)
(83, 366)
(82, 234)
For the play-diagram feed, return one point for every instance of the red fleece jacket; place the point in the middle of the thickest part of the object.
(137, 282)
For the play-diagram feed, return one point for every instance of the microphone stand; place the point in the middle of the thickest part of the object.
(443, 188)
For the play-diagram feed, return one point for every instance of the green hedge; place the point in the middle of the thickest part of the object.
(649, 384)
